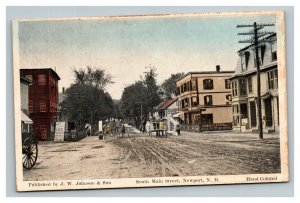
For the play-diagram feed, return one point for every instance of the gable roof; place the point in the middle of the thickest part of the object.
(165, 104)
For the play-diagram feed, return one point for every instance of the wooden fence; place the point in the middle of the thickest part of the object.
(206, 127)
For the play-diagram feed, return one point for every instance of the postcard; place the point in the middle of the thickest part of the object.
(150, 100)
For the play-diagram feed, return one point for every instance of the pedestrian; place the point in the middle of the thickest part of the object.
(178, 128)
(88, 129)
(123, 130)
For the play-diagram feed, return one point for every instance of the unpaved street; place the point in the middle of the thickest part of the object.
(143, 156)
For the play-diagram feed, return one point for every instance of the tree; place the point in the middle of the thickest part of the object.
(133, 94)
(97, 78)
(86, 101)
(169, 85)
(152, 89)
(86, 104)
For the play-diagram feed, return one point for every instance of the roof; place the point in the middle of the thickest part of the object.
(204, 72)
(165, 104)
(25, 80)
(36, 69)
(245, 48)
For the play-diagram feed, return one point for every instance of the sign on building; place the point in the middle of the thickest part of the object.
(59, 131)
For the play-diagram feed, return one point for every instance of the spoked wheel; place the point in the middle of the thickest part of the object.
(30, 153)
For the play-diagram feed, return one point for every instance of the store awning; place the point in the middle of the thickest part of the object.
(25, 118)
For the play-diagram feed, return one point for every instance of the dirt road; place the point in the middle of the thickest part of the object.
(143, 156)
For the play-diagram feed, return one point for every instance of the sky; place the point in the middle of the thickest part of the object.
(123, 47)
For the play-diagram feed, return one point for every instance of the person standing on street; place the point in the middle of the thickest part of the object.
(88, 128)
(178, 128)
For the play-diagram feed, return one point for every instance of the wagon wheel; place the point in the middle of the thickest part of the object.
(30, 153)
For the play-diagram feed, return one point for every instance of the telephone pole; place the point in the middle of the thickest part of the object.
(256, 43)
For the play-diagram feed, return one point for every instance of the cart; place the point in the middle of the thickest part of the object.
(29, 150)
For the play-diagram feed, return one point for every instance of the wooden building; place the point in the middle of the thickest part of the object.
(244, 88)
(205, 99)
(43, 100)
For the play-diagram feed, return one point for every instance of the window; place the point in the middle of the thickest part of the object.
(208, 100)
(261, 53)
(42, 79)
(243, 63)
(194, 101)
(243, 87)
(244, 60)
(42, 105)
(208, 84)
(30, 106)
(227, 84)
(250, 84)
(228, 99)
(206, 118)
(273, 79)
(234, 88)
(274, 51)
(194, 84)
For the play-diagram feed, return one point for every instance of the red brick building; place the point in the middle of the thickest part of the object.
(43, 100)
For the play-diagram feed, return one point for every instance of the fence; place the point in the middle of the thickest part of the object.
(207, 127)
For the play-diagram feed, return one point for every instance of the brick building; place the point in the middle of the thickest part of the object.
(43, 100)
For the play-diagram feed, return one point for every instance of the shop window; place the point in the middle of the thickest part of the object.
(208, 84)
(208, 100)
(206, 118)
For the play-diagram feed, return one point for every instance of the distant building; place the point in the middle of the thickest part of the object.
(167, 108)
(205, 100)
(43, 100)
(244, 88)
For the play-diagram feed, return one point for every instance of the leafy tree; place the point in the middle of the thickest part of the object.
(86, 104)
(86, 101)
(97, 78)
(152, 89)
(169, 85)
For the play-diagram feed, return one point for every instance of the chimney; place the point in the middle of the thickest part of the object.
(218, 68)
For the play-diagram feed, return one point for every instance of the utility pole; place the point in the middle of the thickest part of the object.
(256, 42)
(141, 110)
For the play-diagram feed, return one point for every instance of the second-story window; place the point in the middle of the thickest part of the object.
(208, 100)
(208, 84)
(243, 87)
(234, 88)
(42, 105)
(228, 99)
(250, 85)
(227, 84)
(42, 79)
(273, 79)
(193, 84)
